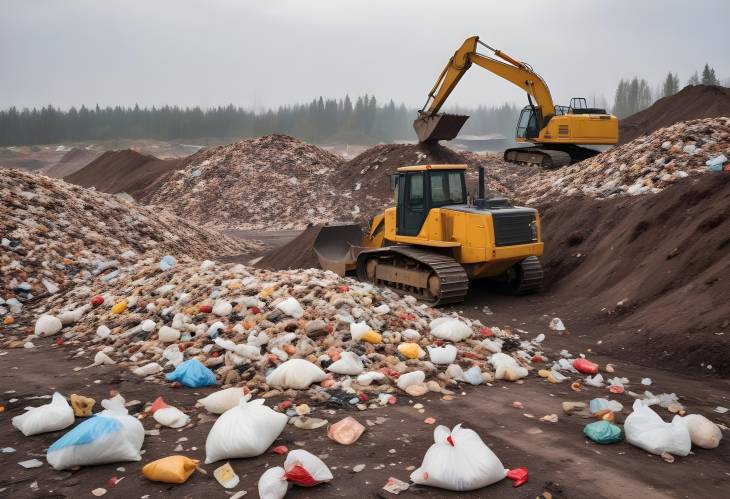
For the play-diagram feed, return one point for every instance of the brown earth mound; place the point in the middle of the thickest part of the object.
(124, 171)
(71, 162)
(692, 102)
(296, 254)
(654, 270)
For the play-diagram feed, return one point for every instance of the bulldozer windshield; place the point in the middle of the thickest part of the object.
(447, 187)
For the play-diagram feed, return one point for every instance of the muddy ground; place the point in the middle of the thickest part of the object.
(560, 459)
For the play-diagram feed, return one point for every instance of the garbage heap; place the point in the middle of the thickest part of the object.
(275, 182)
(647, 164)
(280, 331)
(54, 234)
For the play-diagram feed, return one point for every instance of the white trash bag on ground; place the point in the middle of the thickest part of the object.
(449, 328)
(305, 469)
(442, 355)
(349, 363)
(273, 484)
(222, 400)
(49, 417)
(110, 436)
(247, 430)
(506, 367)
(295, 373)
(458, 460)
(703, 432)
(645, 429)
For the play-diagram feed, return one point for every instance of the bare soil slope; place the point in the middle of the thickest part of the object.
(692, 102)
(654, 269)
(124, 171)
(71, 162)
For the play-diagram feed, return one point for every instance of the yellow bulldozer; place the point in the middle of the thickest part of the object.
(559, 131)
(435, 239)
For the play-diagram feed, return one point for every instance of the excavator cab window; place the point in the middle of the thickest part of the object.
(527, 124)
(412, 208)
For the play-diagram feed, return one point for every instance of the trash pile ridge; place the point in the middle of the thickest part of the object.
(277, 331)
(54, 234)
(647, 164)
(275, 182)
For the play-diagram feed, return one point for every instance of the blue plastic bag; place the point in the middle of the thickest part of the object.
(603, 432)
(192, 374)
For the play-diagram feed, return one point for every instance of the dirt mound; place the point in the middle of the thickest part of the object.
(691, 103)
(645, 165)
(296, 254)
(71, 162)
(272, 182)
(124, 171)
(53, 234)
(654, 270)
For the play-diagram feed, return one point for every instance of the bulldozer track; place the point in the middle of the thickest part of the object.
(547, 158)
(453, 280)
(531, 276)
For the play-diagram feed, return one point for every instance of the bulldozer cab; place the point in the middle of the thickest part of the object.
(421, 188)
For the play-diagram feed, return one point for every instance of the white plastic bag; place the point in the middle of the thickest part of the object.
(295, 373)
(449, 328)
(291, 307)
(273, 484)
(222, 400)
(644, 428)
(349, 363)
(458, 460)
(172, 417)
(247, 430)
(412, 378)
(49, 417)
(305, 469)
(703, 432)
(442, 355)
(108, 437)
(506, 367)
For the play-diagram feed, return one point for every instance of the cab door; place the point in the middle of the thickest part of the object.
(412, 203)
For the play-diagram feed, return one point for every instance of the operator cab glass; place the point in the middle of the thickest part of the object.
(527, 125)
(447, 188)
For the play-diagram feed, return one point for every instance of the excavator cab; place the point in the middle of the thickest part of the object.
(527, 124)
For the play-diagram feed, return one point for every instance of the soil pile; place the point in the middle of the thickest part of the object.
(54, 234)
(71, 162)
(655, 270)
(124, 171)
(645, 165)
(274, 182)
(296, 254)
(691, 103)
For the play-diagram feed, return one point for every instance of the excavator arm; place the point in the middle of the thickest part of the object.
(431, 126)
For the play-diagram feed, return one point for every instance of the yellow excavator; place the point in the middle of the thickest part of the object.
(436, 238)
(558, 131)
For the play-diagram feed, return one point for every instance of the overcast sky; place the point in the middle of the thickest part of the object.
(271, 52)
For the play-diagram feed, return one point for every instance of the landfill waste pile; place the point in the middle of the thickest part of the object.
(54, 234)
(125, 171)
(206, 323)
(691, 103)
(274, 182)
(647, 164)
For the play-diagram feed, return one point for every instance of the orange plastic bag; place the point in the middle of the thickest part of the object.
(171, 469)
(346, 432)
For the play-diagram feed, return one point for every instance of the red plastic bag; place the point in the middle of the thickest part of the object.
(157, 405)
(518, 475)
(585, 366)
(305, 469)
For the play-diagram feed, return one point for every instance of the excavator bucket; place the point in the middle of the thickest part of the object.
(337, 247)
(438, 126)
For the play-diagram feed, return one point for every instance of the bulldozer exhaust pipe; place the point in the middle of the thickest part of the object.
(481, 182)
(438, 126)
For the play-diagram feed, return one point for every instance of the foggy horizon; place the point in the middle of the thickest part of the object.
(262, 56)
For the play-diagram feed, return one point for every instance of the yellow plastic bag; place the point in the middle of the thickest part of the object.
(170, 469)
(371, 337)
(119, 307)
(410, 350)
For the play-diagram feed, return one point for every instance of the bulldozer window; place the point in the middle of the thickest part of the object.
(415, 192)
(447, 188)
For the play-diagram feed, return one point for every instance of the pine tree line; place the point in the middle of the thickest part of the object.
(634, 95)
(319, 121)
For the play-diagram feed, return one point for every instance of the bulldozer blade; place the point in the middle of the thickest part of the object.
(438, 126)
(337, 247)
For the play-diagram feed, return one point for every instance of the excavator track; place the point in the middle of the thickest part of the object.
(431, 277)
(526, 276)
(546, 158)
